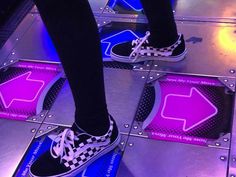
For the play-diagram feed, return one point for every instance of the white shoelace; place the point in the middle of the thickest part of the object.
(137, 43)
(64, 140)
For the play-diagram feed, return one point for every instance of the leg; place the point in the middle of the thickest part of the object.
(161, 43)
(161, 22)
(74, 33)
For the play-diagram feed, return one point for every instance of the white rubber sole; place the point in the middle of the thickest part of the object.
(146, 58)
(80, 169)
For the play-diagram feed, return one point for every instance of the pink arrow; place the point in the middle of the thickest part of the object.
(192, 109)
(20, 88)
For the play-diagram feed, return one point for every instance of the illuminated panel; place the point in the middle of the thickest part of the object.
(23, 88)
(134, 5)
(106, 165)
(189, 109)
(113, 39)
(119, 32)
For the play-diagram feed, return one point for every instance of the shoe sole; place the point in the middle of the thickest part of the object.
(147, 58)
(80, 169)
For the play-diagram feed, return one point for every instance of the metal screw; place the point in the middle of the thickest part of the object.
(4, 64)
(141, 68)
(232, 71)
(101, 8)
(223, 158)
(158, 74)
(122, 143)
(217, 144)
(13, 53)
(140, 133)
(49, 127)
(151, 77)
(33, 130)
(226, 139)
(50, 115)
(126, 125)
(41, 115)
(17, 39)
(234, 159)
(40, 131)
(231, 85)
(11, 61)
(155, 65)
(232, 175)
(143, 77)
(225, 80)
(131, 144)
(135, 127)
(34, 119)
(148, 65)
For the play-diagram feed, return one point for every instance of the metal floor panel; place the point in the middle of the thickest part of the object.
(123, 91)
(144, 157)
(211, 50)
(15, 137)
(217, 11)
(6, 50)
(28, 48)
(205, 9)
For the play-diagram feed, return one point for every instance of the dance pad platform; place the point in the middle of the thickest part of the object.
(176, 119)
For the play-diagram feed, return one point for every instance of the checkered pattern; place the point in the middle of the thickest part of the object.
(83, 157)
(157, 52)
(94, 145)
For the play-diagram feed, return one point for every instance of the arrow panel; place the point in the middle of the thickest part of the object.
(118, 32)
(107, 165)
(23, 87)
(188, 109)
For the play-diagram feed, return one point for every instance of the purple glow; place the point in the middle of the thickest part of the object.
(192, 109)
(28, 93)
(20, 95)
(180, 108)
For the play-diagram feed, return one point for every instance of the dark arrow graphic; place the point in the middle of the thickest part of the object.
(194, 40)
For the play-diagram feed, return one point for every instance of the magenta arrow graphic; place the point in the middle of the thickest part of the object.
(192, 109)
(21, 88)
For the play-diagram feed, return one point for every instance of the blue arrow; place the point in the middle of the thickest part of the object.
(133, 4)
(123, 36)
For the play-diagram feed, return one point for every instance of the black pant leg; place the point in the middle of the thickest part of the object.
(73, 30)
(161, 22)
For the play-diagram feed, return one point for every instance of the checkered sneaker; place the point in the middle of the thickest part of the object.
(72, 151)
(83, 157)
(140, 50)
(72, 146)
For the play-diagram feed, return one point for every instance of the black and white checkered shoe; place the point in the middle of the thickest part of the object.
(72, 151)
(140, 50)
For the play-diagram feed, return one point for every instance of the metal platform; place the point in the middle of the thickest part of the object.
(167, 146)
